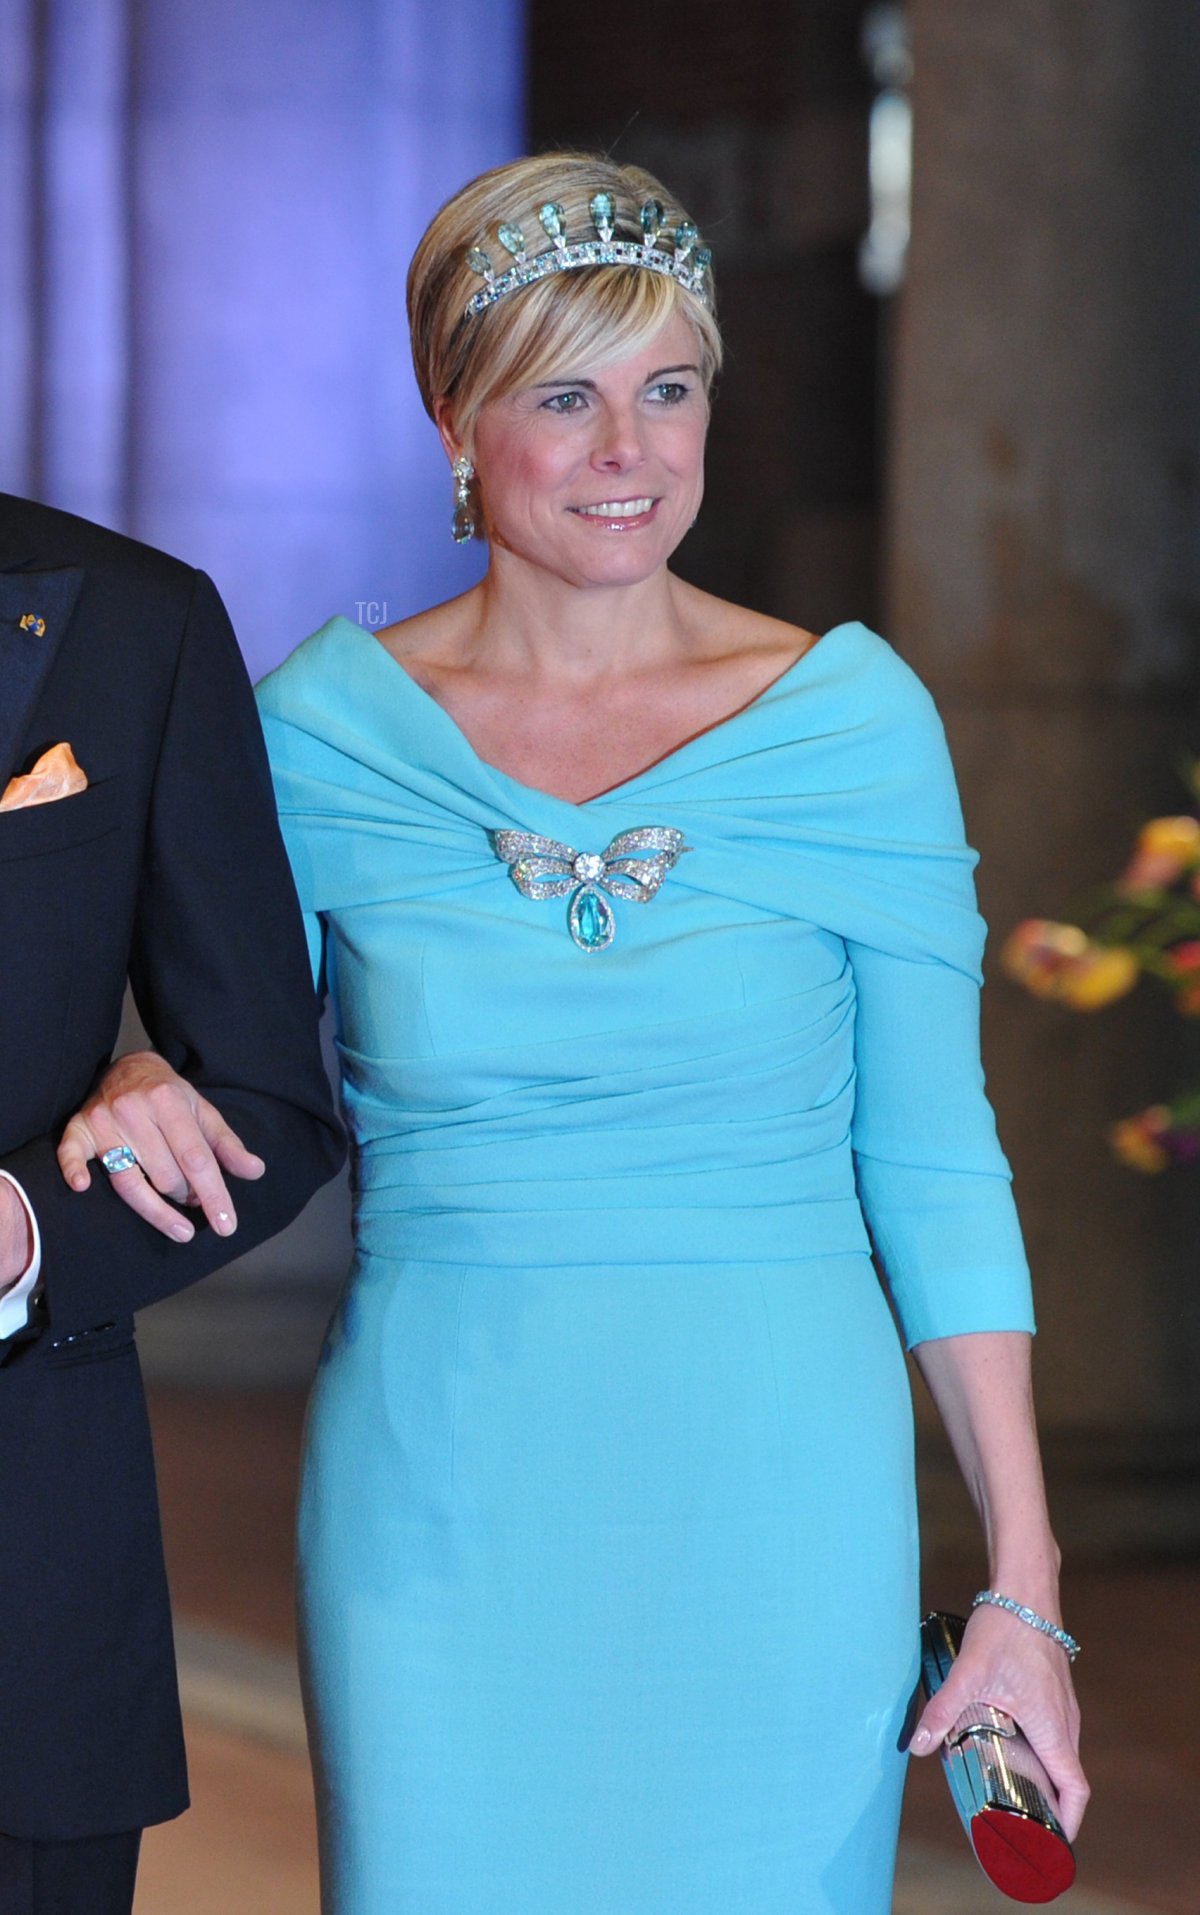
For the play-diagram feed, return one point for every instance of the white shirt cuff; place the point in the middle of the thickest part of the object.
(14, 1303)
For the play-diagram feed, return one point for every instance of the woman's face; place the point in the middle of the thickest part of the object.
(596, 475)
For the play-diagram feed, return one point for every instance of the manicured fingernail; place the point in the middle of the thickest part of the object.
(182, 1232)
(79, 1183)
(921, 1741)
(224, 1222)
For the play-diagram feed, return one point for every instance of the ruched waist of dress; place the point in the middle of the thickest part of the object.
(787, 1233)
(743, 1215)
(700, 1139)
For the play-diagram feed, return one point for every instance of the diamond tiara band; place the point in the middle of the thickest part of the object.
(687, 262)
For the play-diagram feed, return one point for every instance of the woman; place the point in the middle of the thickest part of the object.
(608, 1543)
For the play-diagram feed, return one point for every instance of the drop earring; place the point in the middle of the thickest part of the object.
(462, 526)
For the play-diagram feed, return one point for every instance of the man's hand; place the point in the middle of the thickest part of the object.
(181, 1142)
(16, 1237)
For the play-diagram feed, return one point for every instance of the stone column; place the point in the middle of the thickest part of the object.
(1044, 559)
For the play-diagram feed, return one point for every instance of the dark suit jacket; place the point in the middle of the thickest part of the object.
(169, 868)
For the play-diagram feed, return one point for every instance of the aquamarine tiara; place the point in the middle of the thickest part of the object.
(686, 262)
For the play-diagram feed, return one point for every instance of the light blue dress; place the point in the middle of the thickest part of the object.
(607, 1543)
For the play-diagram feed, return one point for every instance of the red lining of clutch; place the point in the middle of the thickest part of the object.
(1025, 1860)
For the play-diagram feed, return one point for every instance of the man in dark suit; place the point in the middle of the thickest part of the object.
(162, 862)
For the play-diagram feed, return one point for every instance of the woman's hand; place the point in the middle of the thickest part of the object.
(982, 1387)
(1005, 1662)
(182, 1144)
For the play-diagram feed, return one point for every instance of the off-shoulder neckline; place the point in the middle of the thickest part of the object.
(612, 793)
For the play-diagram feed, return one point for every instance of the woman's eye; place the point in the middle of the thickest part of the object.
(669, 393)
(564, 402)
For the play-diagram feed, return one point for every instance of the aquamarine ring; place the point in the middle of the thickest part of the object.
(118, 1159)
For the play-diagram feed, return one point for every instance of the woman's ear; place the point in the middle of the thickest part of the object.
(443, 419)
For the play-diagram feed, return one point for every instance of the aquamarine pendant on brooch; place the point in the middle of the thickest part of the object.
(632, 868)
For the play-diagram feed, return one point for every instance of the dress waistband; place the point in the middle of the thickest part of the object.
(773, 1233)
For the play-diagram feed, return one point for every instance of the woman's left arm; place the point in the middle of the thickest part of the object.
(936, 1190)
(982, 1387)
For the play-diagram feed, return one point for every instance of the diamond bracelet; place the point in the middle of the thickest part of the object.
(1025, 1614)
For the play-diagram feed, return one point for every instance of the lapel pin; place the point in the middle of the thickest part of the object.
(35, 623)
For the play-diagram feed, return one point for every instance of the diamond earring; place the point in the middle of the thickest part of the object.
(462, 526)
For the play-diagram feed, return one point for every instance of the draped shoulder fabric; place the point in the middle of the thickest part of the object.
(825, 815)
(658, 1162)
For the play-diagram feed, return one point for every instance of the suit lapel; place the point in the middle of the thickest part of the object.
(35, 609)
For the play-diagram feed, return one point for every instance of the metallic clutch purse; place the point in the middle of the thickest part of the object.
(1003, 1795)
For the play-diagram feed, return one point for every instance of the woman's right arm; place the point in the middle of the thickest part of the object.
(183, 1145)
(223, 985)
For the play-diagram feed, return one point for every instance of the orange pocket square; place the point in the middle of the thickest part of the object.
(55, 775)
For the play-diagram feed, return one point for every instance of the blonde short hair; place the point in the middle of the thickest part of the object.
(592, 314)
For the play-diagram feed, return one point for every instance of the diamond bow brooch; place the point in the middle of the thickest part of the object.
(633, 868)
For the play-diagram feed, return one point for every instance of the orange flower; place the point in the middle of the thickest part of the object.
(1037, 950)
(1103, 974)
(1028, 955)
(1165, 848)
(1136, 1140)
(1060, 961)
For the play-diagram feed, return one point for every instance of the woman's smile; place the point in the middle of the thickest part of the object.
(617, 515)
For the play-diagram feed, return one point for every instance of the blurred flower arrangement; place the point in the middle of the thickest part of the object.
(1147, 922)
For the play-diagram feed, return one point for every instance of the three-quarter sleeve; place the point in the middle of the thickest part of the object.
(934, 1184)
(933, 1181)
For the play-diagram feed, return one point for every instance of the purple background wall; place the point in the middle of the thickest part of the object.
(207, 213)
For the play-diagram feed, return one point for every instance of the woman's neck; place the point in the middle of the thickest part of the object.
(529, 622)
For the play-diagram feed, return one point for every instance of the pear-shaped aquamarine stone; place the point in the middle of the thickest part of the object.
(603, 210)
(554, 220)
(463, 526)
(511, 238)
(702, 259)
(653, 218)
(479, 262)
(685, 238)
(591, 920)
